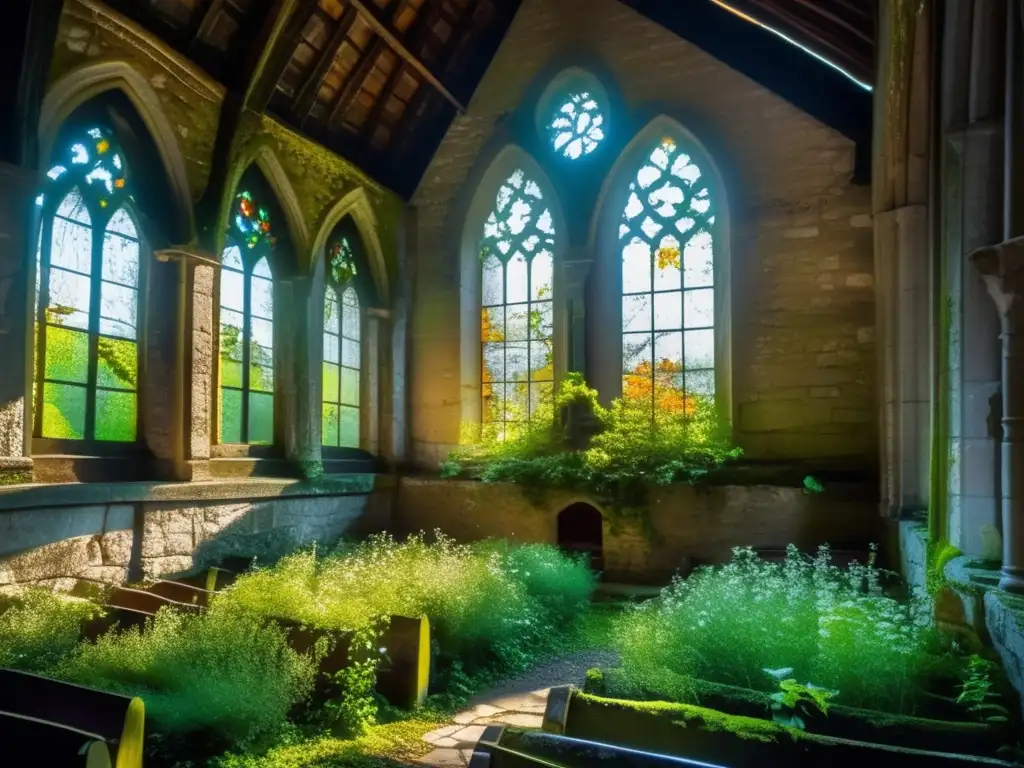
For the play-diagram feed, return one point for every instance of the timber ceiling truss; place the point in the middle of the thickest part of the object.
(376, 81)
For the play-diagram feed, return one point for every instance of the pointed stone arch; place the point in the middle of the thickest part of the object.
(502, 165)
(605, 359)
(356, 204)
(80, 86)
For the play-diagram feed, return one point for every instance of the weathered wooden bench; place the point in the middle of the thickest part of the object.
(72, 715)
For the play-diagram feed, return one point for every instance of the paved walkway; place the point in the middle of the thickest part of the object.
(519, 703)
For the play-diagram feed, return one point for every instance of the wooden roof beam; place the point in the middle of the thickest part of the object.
(355, 81)
(390, 35)
(307, 93)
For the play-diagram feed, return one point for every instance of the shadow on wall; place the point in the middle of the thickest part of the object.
(581, 531)
(128, 541)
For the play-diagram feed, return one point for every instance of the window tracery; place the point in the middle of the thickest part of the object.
(577, 126)
(668, 283)
(342, 364)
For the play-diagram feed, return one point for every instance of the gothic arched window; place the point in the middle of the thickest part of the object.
(668, 283)
(342, 363)
(517, 262)
(247, 327)
(87, 297)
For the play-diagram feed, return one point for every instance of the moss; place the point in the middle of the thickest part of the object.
(939, 554)
(687, 715)
(15, 477)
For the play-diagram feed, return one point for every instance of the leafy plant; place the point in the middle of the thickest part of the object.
(813, 485)
(834, 626)
(794, 702)
(39, 628)
(976, 691)
(636, 445)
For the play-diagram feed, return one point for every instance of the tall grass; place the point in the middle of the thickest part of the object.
(39, 628)
(487, 603)
(832, 627)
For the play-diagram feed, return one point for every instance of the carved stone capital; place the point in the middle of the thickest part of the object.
(1002, 267)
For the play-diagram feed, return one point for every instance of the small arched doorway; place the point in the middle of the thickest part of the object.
(580, 530)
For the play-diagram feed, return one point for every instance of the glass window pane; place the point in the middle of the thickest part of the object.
(230, 372)
(494, 362)
(636, 267)
(492, 324)
(261, 378)
(542, 397)
(71, 246)
(69, 299)
(63, 411)
(668, 311)
(67, 355)
(517, 326)
(668, 352)
(636, 353)
(262, 269)
(699, 308)
(332, 348)
(636, 313)
(73, 207)
(331, 383)
(116, 417)
(329, 425)
(517, 361)
(349, 427)
(698, 262)
(700, 349)
(350, 353)
(332, 316)
(350, 324)
(517, 402)
(262, 341)
(117, 365)
(230, 416)
(516, 276)
(118, 307)
(700, 383)
(667, 263)
(121, 223)
(541, 361)
(231, 258)
(493, 401)
(349, 386)
(262, 298)
(261, 418)
(541, 276)
(542, 320)
(494, 275)
(232, 290)
(121, 260)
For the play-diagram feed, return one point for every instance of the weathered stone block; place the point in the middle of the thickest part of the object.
(784, 414)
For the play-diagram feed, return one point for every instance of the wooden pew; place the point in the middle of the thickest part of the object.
(89, 714)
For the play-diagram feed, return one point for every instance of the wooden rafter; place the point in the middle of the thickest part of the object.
(355, 81)
(393, 37)
(276, 61)
(201, 28)
(366, 134)
(307, 92)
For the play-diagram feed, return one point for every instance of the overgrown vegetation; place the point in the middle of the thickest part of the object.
(39, 628)
(830, 625)
(636, 444)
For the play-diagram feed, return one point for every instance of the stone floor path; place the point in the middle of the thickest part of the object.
(519, 702)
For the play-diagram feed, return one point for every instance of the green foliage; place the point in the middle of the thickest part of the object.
(813, 485)
(939, 554)
(831, 625)
(220, 679)
(490, 605)
(795, 701)
(630, 451)
(594, 681)
(40, 628)
(977, 693)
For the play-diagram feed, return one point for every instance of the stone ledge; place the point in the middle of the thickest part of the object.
(47, 496)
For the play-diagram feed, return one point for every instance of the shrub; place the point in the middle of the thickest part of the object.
(679, 441)
(224, 676)
(40, 628)
(832, 627)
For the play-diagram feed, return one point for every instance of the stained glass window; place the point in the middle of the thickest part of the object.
(577, 127)
(247, 328)
(517, 264)
(87, 297)
(668, 296)
(342, 359)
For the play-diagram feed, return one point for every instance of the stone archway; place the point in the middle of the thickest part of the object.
(581, 530)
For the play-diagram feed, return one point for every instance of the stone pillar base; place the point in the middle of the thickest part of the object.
(1012, 580)
(15, 470)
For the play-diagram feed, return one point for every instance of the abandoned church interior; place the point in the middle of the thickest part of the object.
(441, 382)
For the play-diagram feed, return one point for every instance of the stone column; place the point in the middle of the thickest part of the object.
(1002, 267)
(18, 220)
(298, 389)
(193, 386)
(571, 339)
(376, 327)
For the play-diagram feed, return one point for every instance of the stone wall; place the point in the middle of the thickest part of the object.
(133, 530)
(801, 235)
(688, 524)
